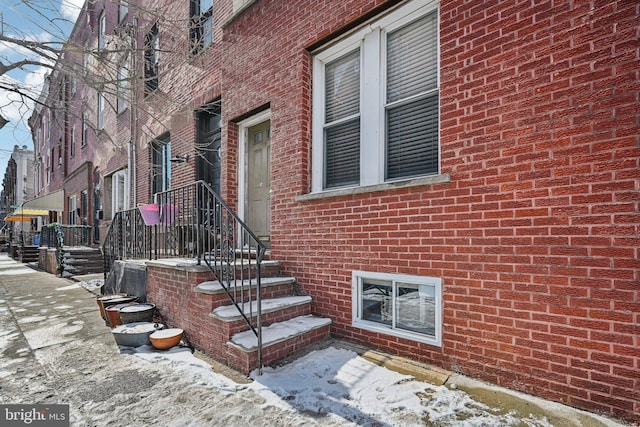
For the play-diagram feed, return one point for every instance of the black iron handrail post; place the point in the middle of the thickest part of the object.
(198, 208)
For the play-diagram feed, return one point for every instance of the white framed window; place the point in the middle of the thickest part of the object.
(122, 86)
(46, 162)
(376, 102)
(102, 31)
(123, 10)
(85, 62)
(73, 210)
(101, 104)
(72, 148)
(119, 191)
(400, 305)
(85, 129)
(161, 164)
(45, 126)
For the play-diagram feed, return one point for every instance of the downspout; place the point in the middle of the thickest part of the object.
(134, 115)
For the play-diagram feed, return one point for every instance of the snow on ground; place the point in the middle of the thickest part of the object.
(8, 267)
(337, 387)
(47, 357)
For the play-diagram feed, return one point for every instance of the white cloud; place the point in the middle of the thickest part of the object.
(18, 108)
(70, 9)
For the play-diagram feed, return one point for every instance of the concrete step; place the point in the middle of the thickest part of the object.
(278, 332)
(230, 313)
(272, 287)
(82, 261)
(274, 310)
(279, 341)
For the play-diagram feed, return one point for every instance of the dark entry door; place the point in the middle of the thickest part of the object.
(208, 145)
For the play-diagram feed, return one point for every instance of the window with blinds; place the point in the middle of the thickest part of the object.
(342, 121)
(412, 100)
(376, 102)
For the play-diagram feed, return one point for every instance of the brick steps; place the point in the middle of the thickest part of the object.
(287, 323)
(268, 268)
(279, 332)
(229, 313)
(29, 254)
(279, 341)
(272, 287)
(82, 261)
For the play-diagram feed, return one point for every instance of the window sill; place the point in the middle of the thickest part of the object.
(237, 13)
(375, 327)
(429, 180)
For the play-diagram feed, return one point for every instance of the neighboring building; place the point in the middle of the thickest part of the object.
(18, 179)
(451, 182)
(75, 127)
(18, 187)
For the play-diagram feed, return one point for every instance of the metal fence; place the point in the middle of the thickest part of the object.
(194, 222)
(71, 235)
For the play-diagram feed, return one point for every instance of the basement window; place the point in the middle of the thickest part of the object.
(400, 305)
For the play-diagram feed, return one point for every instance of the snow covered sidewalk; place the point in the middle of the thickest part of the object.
(55, 348)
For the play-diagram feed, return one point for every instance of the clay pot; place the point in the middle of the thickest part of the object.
(101, 298)
(113, 313)
(166, 338)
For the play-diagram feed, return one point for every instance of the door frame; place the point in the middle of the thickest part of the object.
(243, 158)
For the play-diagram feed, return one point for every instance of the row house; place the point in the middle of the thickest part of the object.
(75, 152)
(454, 182)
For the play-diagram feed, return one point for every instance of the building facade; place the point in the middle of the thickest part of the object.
(451, 182)
(477, 160)
(18, 178)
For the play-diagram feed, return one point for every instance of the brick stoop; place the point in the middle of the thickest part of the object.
(28, 253)
(187, 296)
(80, 261)
(288, 326)
(279, 341)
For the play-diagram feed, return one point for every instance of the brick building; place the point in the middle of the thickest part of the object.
(451, 181)
(520, 215)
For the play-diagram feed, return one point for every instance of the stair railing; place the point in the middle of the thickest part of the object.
(194, 222)
(127, 238)
(197, 223)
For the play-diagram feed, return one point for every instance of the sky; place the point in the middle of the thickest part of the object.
(42, 21)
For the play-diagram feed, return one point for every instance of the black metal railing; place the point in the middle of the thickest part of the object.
(72, 235)
(194, 222)
(127, 238)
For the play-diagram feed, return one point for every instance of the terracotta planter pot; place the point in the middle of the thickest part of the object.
(101, 298)
(166, 338)
(113, 313)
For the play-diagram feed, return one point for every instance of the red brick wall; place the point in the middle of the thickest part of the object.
(536, 235)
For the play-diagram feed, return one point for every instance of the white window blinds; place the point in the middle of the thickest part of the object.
(342, 121)
(412, 100)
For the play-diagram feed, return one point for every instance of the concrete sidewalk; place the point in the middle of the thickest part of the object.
(55, 348)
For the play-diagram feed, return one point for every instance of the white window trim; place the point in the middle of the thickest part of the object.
(102, 31)
(373, 154)
(73, 206)
(101, 110)
(85, 129)
(115, 193)
(122, 87)
(72, 148)
(357, 321)
(243, 170)
(123, 10)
